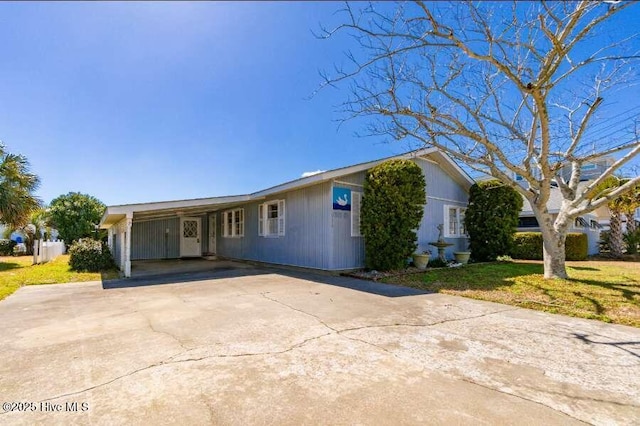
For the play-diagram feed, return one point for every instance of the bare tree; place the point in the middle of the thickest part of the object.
(508, 89)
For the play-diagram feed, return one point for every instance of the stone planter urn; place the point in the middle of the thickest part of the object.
(462, 256)
(421, 260)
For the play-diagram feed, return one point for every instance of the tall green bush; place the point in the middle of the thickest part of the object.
(491, 219)
(392, 208)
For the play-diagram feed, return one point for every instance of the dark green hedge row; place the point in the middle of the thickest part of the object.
(528, 245)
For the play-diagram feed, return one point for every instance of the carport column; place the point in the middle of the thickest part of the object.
(127, 246)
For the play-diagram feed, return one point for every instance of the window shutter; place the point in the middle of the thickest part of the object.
(225, 228)
(445, 221)
(261, 210)
(356, 202)
(281, 218)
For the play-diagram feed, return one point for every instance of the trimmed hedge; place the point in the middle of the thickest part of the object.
(528, 245)
(577, 246)
(90, 255)
(491, 219)
(392, 208)
(6, 247)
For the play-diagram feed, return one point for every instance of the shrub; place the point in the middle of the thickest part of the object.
(528, 245)
(576, 246)
(6, 247)
(437, 263)
(491, 219)
(90, 255)
(392, 208)
(632, 239)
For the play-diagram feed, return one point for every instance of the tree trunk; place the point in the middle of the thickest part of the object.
(554, 236)
(631, 221)
(615, 234)
(553, 254)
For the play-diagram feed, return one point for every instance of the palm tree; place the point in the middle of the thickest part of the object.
(615, 215)
(36, 227)
(17, 185)
(624, 205)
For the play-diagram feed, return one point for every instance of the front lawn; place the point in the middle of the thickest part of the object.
(606, 291)
(18, 271)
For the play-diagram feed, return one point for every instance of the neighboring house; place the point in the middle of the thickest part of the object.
(312, 222)
(587, 224)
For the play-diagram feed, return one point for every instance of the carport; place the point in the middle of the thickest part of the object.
(155, 268)
(164, 230)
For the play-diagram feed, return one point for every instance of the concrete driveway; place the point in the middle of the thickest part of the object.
(258, 347)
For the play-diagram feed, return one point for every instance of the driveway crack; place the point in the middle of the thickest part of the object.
(466, 380)
(170, 361)
(166, 333)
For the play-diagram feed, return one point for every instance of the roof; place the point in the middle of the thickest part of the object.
(116, 213)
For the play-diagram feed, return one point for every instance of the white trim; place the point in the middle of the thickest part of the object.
(459, 223)
(447, 200)
(264, 228)
(356, 208)
(332, 174)
(237, 218)
(213, 233)
(348, 183)
(114, 214)
(183, 246)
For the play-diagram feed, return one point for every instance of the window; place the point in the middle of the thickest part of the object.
(356, 203)
(454, 221)
(580, 223)
(271, 221)
(233, 223)
(528, 222)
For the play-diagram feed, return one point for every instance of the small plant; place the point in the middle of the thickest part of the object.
(6, 247)
(90, 255)
(506, 258)
(437, 263)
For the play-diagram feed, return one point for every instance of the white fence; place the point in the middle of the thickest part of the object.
(44, 251)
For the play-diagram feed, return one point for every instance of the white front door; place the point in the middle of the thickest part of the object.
(190, 237)
(212, 234)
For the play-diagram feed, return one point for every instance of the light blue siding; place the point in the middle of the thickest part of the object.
(306, 240)
(149, 239)
(316, 236)
(441, 190)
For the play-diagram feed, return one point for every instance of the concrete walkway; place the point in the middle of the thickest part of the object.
(249, 346)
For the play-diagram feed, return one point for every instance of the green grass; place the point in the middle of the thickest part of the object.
(606, 291)
(16, 272)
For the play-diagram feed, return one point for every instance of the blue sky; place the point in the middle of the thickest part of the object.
(158, 101)
(134, 102)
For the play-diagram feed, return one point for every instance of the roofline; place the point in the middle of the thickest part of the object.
(129, 209)
(343, 171)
